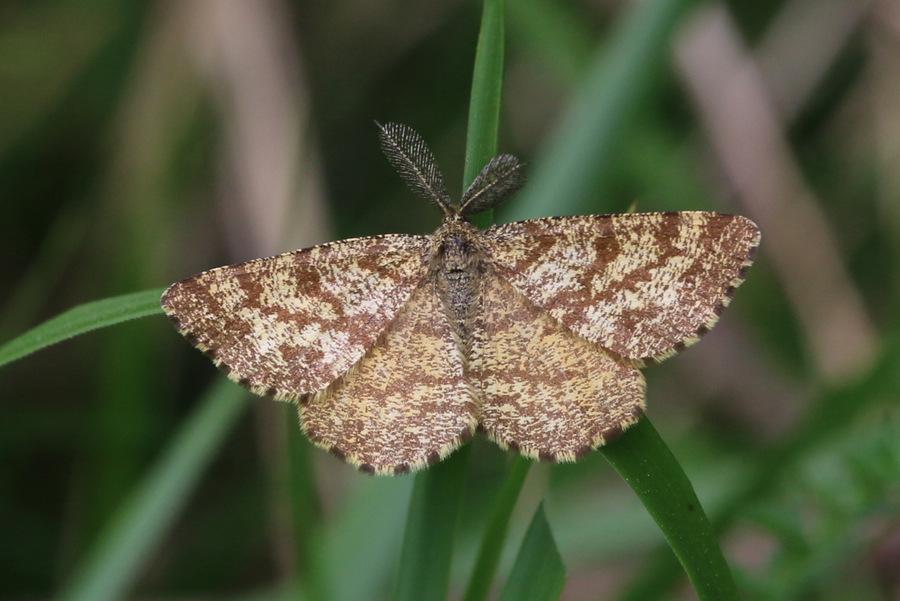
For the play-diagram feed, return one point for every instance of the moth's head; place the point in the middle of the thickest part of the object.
(405, 149)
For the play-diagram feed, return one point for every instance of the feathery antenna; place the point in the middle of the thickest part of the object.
(501, 178)
(407, 152)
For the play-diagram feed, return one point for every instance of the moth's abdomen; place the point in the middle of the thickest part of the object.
(458, 269)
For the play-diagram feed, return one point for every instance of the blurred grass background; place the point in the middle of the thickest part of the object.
(143, 142)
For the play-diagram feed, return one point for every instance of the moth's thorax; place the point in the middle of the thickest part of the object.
(458, 263)
(457, 245)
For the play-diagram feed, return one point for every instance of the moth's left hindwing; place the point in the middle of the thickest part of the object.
(407, 403)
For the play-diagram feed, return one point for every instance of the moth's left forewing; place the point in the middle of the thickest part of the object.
(643, 285)
(290, 325)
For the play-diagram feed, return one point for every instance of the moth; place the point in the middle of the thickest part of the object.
(396, 348)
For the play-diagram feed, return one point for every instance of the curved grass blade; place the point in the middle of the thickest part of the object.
(127, 542)
(424, 570)
(538, 573)
(830, 410)
(81, 319)
(646, 463)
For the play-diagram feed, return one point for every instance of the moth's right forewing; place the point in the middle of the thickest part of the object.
(290, 325)
(643, 285)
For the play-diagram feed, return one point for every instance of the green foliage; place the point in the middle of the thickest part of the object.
(538, 573)
(820, 512)
(649, 467)
(127, 542)
(122, 128)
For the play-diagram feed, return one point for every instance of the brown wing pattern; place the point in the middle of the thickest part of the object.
(642, 285)
(545, 391)
(406, 404)
(290, 325)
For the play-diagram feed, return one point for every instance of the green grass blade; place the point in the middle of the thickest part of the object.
(306, 510)
(424, 570)
(484, 102)
(646, 463)
(81, 319)
(577, 153)
(134, 533)
(430, 530)
(487, 87)
(495, 534)
(538, 573)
